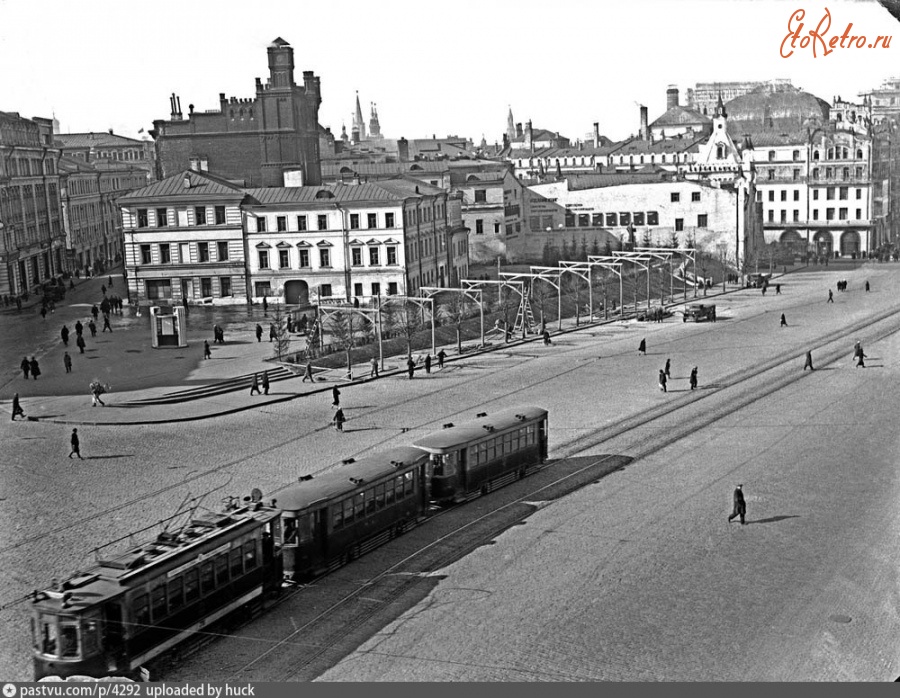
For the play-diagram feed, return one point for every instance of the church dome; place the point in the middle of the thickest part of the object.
(776, 106)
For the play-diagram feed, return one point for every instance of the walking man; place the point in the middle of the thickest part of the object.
(783, 320)
(35, 368)
(642, 347)
(94, 311)
(67, 362)
(547, 341)
(106, 325)
(79, 342)
(662, 380)
(308, 374)
(265, 305)
(693, 378)
(777, 289)
(273, 333)
(867, 286)
(76, 445)
(96, 391)
(860, 362)
(265, 382)
(79, 328)
(427, 363)
(339, 419)
(374, 372)
(64, 334)
(740, 506)
(441, 355)
(255, 387)
(92, 326)
(809, 363)
(830, 297)
(26, 367)
(410, 366)
(336, 397)
(668, 368)
(16, 408)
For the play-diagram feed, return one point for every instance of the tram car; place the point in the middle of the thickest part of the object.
(470, 457)
(135, 605)
(327, 519)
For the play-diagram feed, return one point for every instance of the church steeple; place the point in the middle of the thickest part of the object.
(374, 126)
(359, 125)
(720, 107)
(510, 127)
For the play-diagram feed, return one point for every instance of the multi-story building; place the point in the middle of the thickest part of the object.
(262, 140)
(107, 147)
(884, 101)
(200, 237)
(493, 209)
(32, 238)
(886, 183)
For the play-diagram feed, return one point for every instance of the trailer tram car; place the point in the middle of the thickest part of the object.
(328, 518)
(470, 457)
(133, 606)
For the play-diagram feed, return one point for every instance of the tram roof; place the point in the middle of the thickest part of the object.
(337, 482)
(480, 428)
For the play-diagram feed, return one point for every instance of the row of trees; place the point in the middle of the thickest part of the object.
(573, 251)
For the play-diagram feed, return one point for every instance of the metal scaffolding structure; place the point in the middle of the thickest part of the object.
(327, 312)
(475, 284)
(468, 292)
(422, 303)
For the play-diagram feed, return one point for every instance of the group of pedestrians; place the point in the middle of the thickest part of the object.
(665, 374)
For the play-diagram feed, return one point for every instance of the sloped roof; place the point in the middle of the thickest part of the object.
(681, 116)
(776, 107)
(638, 146)
(202, 184)
(540, 134)
(339, 193)
(615, 179)
(93, 140)
(72, 165)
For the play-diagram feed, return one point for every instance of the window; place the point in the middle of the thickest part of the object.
(199, 215)
(770, 175)
(263, 259)
(322, 221)
(357, 289)
(570, 219)
(625, 218)
(796, 175)
(795, 155)
(652, 218)
(702, 220)
(225, 286)
(845, 173)
(844, 193)
(796, 215)
(250, 559)
(829, 172)
(497, 229)
(479, 226)
(284, 259)
(859, 193)
(480, 196)
(281, 223)
(304, 258)
(392, 288)
(675, 197)
(391, 255)
(695, 196)
(596, 221)
(165, 254)
(829, 214)
(374, 257)
(784, 195)
(388, 220)
(638, 217)
(206, 288)
(612, 220)
(816, 215)
(301, 222)
(679, 224)
(222, 250)
(859, 172)
(354, 221)
(829, 194)
(376, 289)
(815, 173)
(771, 216)
(815, 194)
(325, 290)
(324, 257)
(261, 224)
(771, 195)
(584, 220)
(796, 195)
(203, 251)
(842, 214)
(145, 254)
(142, 220)
(220, 215)
(191, 585)
(356, 258)
(859, 214)
(162, 218)
(771, 156)
(372, 220)
(783, 216)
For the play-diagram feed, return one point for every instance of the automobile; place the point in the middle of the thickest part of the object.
(699, 311)
(758, 280)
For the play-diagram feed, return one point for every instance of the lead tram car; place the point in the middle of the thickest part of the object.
(131, 607)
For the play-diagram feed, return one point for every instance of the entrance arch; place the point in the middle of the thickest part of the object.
(850, 243)
(824, 243)
(296, 293)
(794, 242)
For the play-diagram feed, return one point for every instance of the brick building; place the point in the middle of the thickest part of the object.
(260, 140)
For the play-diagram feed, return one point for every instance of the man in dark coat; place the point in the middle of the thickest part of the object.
(740, 506)
(94, 311)
(265, 382)
(79, 342)
(783, 320)
(410, 367)
(207, 352)
(67, 362)
(36, 369)
(106, 325)
(259, 332)
(441, 355)
(693, 378)
(79, 328)
(642, 347)
(668, 368)
(16, 408)
(64, 334)
(254, 388)
(26, 367)
(308, 374)
(76, 445)
(427, 363)
(662, 380)
(273, 333)
(830, 297)
(809, 363)
(336, 396)
(92, 326)
(339, 419)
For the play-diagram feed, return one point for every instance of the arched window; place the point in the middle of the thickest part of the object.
(815, 155)
(859, 154)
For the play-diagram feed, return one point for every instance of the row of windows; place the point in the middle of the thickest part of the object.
(479, 227)
(392, 289)
(165, 252)
(161, 289)
(169, 598)
(675, 196)
(843, 215)
(414, 217)
(161, 217)
(282, 223)
(830, 173)
(842, 193)
(503, 445)
(608, 220)
(372, 500)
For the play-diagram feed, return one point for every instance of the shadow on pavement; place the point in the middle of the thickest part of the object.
(774, 519)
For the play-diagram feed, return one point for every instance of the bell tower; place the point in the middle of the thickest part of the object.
(281, 64)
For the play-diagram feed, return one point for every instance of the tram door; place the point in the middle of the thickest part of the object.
(542, 439)
(113, 644)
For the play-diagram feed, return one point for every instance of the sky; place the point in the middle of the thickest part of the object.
(433, 68)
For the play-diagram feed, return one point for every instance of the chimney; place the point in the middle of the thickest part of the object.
(671, 97)
(644, 135)
(529, 132)
(596, 134)
(403, 150)
(518, 130)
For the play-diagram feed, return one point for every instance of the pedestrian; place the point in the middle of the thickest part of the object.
(79, 342)
(79, 328)
(106, 325)
(308, 374)
(783, 320)
(259, 332)
(35, 369)
(110, 282)
(94, 311)
(64, 334)
(184, 304)
(265, 382)
(207, 352)
(67, 362)
(16, 408)
(857, 349)
(809, 363)
(265, 305)
(860, 360)
(92, 326)
(44, 312)
(76, 445)
(764, 289)
(290, 324)
(740, 506)
(97, 390)
(374, 372)
(668, 368)
(547, 341)
(273, 333)
(26, 367)
(830, 297)
(336, 397)
(339, 419)
(410, 366)
(427, 363)
(662, 380)
(103, 288)
(867, 286)
(642, 347)
(777, 289)
(693, 378)
(441, 355)
(255, 387)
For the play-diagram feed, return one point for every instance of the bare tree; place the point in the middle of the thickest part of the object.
(282, 340)
(454, 310)
(340, 325)
(405, 319)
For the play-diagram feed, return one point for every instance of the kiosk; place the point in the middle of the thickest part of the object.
(168, 327)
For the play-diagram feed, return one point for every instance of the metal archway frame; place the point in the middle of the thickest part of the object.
(614, 265)
(644, 262)
(583, 271)
(420, 302)
(517, 286)
(466, 292)
(325, 312)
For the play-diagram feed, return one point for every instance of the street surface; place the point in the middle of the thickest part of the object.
(637, 577)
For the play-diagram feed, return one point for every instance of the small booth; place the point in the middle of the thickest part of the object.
(168, 327)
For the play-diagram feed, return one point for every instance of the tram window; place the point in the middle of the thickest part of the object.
(207, 582)
(158, 602)
(304, 528)
(379, 496)
(68, 640)
(290, 531)
(176, 593)
(437, 464)
(370, 501)
(410, 485)
(398, 486)
(337, 515)
(48, 635)
(236, 567)
(221, 565)
(141, 612)
(250, 555)
(90, 637)
(191, 585)
(389, 493)
(359, 505)
(348, 511)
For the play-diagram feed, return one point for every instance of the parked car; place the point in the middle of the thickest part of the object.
(699, 311)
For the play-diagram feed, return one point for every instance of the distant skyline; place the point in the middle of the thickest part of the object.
(448, 68)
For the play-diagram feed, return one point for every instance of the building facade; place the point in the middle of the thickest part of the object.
(494, 211)
(107, 148)
(261, 140)
(32, 238)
